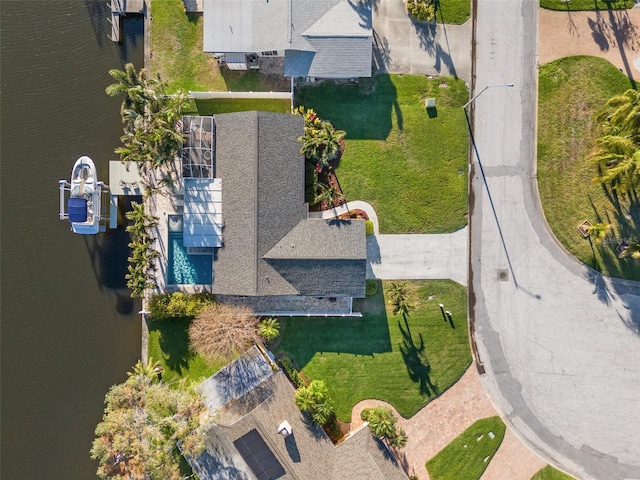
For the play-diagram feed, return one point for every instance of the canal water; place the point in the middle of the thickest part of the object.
(68, 327)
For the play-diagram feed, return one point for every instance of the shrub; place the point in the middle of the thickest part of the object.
(291, 372)
(422, 10)
(371, 287)
(269, 328)
(163, 306)
(368, 225)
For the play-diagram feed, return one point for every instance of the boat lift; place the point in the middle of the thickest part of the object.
(125, 180)
(105, 199)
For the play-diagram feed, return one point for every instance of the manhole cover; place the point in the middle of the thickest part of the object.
(503, 275)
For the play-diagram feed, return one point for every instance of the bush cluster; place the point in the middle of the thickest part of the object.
(164, 306)
(291, 372)
(422, 10)
(368, 225)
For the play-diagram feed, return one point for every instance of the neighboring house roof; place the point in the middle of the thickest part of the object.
(323, 38)
(258, 159)
(306, 454)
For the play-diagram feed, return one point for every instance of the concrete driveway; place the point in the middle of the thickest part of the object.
(559, 342)
(421, 48)
(418, 257)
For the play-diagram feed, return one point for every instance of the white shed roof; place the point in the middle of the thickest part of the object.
(202, 212)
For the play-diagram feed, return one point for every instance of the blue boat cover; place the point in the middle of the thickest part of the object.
(77, 209)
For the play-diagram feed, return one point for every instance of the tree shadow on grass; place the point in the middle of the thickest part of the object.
(174, 342)
(415, 359)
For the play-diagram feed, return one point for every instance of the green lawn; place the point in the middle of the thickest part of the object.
(380, 355)
(169, 344)
(574, 5)
(176, 46)
(211, 107)
(468, 455)
(410, 167)
(571, 91)
(550, 473)
(453, 12)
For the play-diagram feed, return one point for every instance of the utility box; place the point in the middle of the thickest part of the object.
(430, 102)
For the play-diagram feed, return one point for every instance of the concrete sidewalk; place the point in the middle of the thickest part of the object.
(413, 257)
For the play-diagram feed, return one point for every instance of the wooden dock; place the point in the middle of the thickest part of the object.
(119, 9)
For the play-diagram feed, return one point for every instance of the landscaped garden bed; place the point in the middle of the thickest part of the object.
(405, 361)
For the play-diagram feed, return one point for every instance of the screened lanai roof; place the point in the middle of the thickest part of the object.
(202, 212)
(198, 151)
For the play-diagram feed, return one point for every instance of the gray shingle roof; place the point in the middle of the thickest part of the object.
(258, 159)
(322, 38)
(236, 379)
(323, 239)
(306, 454)
(324, 278)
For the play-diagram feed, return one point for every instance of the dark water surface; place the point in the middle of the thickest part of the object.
(69, 329)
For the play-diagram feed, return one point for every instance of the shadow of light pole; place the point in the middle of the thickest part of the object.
(484, 178)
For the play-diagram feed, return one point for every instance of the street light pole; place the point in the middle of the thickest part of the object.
(483, 90)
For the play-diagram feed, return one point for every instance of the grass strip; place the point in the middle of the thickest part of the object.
(576, 5)
(468, 455)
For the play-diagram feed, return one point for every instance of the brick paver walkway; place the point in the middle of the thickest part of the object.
(442, 420)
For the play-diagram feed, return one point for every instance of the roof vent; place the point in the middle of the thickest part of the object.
(285, 429)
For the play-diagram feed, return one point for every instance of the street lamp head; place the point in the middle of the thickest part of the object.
(485, 89)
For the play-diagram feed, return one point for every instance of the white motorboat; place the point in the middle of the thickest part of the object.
(85, 192)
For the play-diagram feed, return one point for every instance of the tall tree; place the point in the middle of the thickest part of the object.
(149, 117)
(145, 427)
(618, 161)
(399, 298)
(622, 112)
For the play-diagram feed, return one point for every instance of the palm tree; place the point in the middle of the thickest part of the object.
(382, 422)
(331, 143)
(399, 439)
(623, 112)
(150, 371)
(400, 299)
(314, 399)
(618, 162)
(598, 231)
(269, 328)
(328, 193)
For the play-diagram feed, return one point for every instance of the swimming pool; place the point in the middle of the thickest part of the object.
(184, 268)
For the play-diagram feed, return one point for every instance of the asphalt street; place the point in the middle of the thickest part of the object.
(560, 344)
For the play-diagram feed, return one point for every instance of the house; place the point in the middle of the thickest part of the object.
(261, 433)
(317, 38)
(244, 199)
